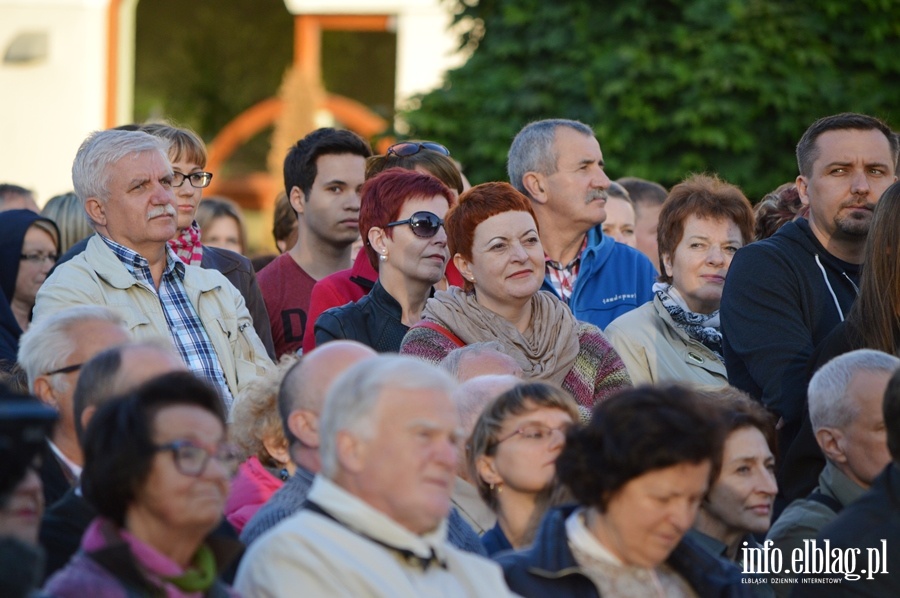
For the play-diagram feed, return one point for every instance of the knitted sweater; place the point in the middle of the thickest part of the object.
(598, 371)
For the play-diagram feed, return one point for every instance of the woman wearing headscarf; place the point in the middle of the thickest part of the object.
(29, 247)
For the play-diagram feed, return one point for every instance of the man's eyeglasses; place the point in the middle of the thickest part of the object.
(423, 224)
(410, 148)
(199, 180)
(536, 432)
(39, 257)
(192, 459)
(66, 370)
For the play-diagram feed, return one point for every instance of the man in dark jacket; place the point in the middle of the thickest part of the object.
(549, 569)
(868, 528)
(784, 294)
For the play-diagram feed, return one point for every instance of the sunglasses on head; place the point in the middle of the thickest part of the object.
(423, 224)
(410, 148)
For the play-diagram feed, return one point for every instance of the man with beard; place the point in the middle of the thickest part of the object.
(784, 294)
(124, 180)
(559, 166)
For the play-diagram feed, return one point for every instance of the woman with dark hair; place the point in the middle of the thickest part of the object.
(511, 456)
(402, 215)
(343, 287)
(29, 247)
(638, 472)
(743, 488)
(157, 470)
(676, 336)
(493, 236)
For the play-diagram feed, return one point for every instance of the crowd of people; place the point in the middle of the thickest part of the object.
(556, 385)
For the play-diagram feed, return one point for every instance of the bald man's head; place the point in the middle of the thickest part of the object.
(470, 398)
(473, 395)
(305, 385)
(120, 370)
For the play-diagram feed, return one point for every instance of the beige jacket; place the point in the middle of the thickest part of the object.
(309, 554)
(97, 277)
(655, 350)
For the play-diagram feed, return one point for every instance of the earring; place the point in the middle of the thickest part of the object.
(383, 256)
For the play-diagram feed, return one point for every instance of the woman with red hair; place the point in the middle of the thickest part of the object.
(401, 215)
(493, 236)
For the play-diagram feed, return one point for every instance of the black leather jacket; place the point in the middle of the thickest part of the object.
(374, 320)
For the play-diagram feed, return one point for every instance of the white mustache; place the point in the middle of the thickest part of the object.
(597, 194)
(165, 210)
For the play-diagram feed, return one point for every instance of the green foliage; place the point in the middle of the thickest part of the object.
(670, 86)
(201, 63)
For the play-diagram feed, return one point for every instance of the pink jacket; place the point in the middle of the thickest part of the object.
(251, 488)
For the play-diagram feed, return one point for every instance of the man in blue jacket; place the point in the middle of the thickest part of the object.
(558, 164)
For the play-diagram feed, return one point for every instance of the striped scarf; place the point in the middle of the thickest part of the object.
(187, 245)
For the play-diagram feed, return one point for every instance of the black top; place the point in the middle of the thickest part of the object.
(62, 526)
(374, 320)
(871, 524)
(782, 297)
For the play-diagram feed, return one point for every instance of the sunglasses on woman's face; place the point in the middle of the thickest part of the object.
(408, 148)
(423, 224)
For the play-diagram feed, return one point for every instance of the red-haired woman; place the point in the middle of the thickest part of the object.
(493, 236)
(402, 217)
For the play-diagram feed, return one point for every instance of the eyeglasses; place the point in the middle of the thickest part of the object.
(537, 432)
(192, 459)
(39, 257)
(409, 148)
(66, 370)
(199, 180)
(423, 224)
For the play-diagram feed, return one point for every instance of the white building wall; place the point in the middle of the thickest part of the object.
(48, 107)
(425, 47)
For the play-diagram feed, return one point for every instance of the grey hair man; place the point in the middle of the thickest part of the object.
(300, 399)
(480, 359)
(52, 353)
(108, 374)
(14, 197)
(845, 408)
(869, 525)
(376, 518)
(124, 180)
(558, 164)
(648, 198)
(471, 397)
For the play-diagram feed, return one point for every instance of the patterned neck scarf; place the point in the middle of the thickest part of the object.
(187, 245)
(703, 328)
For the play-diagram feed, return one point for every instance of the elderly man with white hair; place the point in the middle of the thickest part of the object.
(845, 408)
(375, 519)
(52, 352)
(124, 180)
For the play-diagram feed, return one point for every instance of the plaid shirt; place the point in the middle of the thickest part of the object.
(563, 277)
(187, 330)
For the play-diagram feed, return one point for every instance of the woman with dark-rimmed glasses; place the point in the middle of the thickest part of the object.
(352, 284)
(401, 215)
(157, 469)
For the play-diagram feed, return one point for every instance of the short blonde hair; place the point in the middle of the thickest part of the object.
(255, 414)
